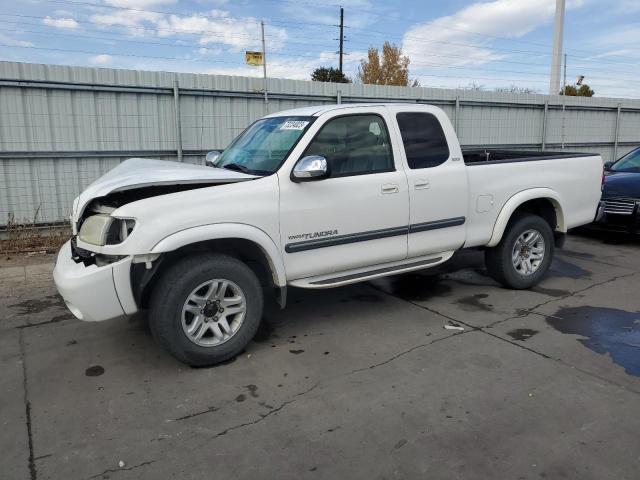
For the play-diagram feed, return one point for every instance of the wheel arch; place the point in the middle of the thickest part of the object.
(245, 242)
(544, 202)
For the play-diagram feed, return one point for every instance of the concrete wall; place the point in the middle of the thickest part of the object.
(62, 127)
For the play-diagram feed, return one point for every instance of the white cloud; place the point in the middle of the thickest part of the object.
(131, 19)
(294, 68)
(64, 23)
(624, 37)
(13, 42)
(455, 40)
(357, 13)
(213, 3)
(212, 27)
(622, 52)
(138, 3)
(628, 6)
(102, 59)
(209, 51)
(218, 28)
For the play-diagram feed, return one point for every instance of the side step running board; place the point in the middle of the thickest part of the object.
(359, 276)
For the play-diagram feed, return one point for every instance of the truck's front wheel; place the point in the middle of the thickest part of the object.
(524, 254)
(206, 308)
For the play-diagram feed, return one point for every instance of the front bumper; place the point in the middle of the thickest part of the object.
(94, 293)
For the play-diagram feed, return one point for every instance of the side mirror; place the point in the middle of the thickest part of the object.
(311, 167)
(608, 165)
(211, 158)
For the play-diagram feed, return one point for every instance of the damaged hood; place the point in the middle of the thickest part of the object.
(142, 172)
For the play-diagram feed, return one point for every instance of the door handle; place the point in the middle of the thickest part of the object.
(421, 184)
(390, 188)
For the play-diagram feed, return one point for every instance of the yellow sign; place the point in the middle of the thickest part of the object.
(253, 58)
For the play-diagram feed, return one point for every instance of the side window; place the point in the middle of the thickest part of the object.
(424, 142)
(353, 145)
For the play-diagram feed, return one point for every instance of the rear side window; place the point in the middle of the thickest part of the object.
(354, 145)
(424, 142)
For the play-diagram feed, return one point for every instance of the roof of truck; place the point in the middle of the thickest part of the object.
(320, 109)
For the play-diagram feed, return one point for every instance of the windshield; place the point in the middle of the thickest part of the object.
(629, 163)
(261, 148)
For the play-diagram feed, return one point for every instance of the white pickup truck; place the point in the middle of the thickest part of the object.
(315, 197)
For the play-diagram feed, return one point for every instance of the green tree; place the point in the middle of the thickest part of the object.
(583, 90)
(329, 74)
(393, 69)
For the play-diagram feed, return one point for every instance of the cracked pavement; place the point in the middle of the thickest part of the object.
(358, 382)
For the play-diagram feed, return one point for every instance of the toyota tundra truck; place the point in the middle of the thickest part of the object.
(316, 197)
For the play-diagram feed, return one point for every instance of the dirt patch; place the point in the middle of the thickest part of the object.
(32, 238)
(29, 307)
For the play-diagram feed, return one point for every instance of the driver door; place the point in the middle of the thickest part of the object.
(355, 217)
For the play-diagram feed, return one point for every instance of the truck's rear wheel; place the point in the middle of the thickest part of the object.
(524, 254)
(206, 308)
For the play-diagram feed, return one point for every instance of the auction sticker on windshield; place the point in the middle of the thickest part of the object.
(294, 125)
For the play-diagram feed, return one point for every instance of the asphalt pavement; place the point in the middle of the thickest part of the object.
(440, 374)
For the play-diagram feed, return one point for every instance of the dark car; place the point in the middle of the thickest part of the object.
(620, 205)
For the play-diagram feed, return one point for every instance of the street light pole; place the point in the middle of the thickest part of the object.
(556, 57)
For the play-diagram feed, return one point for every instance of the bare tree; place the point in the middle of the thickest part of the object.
(514, 89)
(475, 87)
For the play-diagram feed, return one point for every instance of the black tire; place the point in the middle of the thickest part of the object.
(174, 287)
(498, 259)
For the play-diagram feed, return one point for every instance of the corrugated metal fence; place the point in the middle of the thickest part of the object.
(62, 127)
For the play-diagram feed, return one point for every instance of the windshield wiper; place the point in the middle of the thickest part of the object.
(241, 168)
(237, 167)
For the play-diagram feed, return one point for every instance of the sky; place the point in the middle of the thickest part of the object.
(451, 44)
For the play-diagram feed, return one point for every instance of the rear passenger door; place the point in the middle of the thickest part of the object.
(437, 182)
(357, 216)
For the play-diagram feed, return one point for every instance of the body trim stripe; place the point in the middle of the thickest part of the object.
(345, 239)
(447, 222)
(372, 235)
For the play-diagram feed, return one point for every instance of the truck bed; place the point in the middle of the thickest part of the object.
(483, 156)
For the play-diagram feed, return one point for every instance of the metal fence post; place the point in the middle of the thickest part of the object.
(176, 112)
(457, 116)
(564, 117)
(615, 140)
(339, 97)
(544, 124)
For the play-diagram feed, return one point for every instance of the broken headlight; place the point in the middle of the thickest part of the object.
(103, 229)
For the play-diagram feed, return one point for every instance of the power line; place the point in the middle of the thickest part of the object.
(317, 24)
(288, 53)
(341, 37)
(215, 33)
(242, 63)
(366, 32)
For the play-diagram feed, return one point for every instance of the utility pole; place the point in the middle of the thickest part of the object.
(341, 37)
(264, 64)
(564, 100)
(556, 57)
(564, 80)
